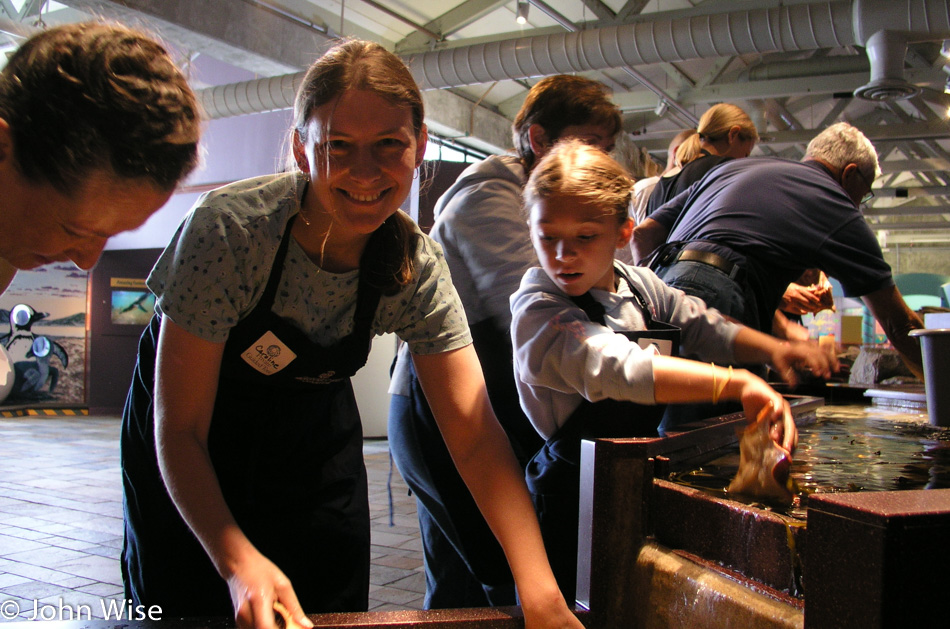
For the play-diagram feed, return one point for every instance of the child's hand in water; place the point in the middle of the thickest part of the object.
(763, 403)
(765, 451)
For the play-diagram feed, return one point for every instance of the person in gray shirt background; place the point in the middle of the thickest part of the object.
(484, 234)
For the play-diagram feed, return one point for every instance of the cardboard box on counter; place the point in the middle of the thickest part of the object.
(851, 329)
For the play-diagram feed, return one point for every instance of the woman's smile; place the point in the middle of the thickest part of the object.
(364, 197)
(361, 153)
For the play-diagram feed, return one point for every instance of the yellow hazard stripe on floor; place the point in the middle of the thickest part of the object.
(44, 412)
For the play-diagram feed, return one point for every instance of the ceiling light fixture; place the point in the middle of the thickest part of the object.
(521, 13)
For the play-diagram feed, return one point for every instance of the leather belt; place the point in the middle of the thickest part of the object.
(728, 267)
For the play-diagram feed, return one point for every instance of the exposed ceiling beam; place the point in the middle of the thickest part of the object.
(912, 191)
(935, 130)
(631, 8)
(31, 8)
(682, 80)
(778, 109)
(7, 9)
(918, 165)
(942, 225)
(714, 72)
(335, 17)
(598, 8)
(245, 34)
(16, 30)
(450, 22)
(453, 117)
(835, 113)
(914, 239)
(776, 88)
(402, 18)
(907, 210)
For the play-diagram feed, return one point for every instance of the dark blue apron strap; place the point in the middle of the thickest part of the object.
(389, 490)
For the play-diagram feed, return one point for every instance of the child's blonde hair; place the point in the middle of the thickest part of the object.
(573, 168)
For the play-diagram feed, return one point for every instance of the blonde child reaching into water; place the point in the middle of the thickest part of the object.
(592, 340)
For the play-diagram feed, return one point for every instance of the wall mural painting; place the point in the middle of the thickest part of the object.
(43, 338)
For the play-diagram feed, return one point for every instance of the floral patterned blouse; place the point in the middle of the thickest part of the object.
(215, 268)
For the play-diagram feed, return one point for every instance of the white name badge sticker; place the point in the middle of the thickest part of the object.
(268, 355)
(662, 347)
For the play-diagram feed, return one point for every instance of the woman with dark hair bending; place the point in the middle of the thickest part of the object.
(242, 444)
(97, 126)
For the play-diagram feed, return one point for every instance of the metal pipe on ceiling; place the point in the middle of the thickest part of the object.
(786, 28)
(885, 26)
(637, 76)
(819, 66)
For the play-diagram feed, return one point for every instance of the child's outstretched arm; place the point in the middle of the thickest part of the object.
(678, 380)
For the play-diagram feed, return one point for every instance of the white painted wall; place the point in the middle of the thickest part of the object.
(371, 384)
(231, 149)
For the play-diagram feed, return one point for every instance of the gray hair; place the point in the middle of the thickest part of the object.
(842, 144)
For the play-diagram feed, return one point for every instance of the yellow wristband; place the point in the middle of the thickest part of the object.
(722, 387)
(715, 396)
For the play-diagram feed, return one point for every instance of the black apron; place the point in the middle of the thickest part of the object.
(286, 445)
(471, 536)
(553, 474)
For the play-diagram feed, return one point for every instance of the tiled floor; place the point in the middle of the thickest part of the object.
(61, 519)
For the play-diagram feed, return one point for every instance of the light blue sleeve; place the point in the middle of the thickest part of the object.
(705, 333)
(562, 358)
(213, 271)
(428, 314)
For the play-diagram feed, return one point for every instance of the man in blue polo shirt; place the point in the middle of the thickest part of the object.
(737, 237)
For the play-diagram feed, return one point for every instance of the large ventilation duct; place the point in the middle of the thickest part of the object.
(782, 28)
(816, 66)
(886, 51)
(885, 27)
(881, 25)
(250, 97)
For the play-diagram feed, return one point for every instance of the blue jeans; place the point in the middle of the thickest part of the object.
(710, 284)
(726, 295)
(452, 556)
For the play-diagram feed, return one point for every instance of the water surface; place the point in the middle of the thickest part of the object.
(850, 448)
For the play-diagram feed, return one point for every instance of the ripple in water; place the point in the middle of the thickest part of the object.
(849, 448)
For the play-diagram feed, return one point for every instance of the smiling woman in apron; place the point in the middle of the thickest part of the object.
(595, 340)
(243, 475)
